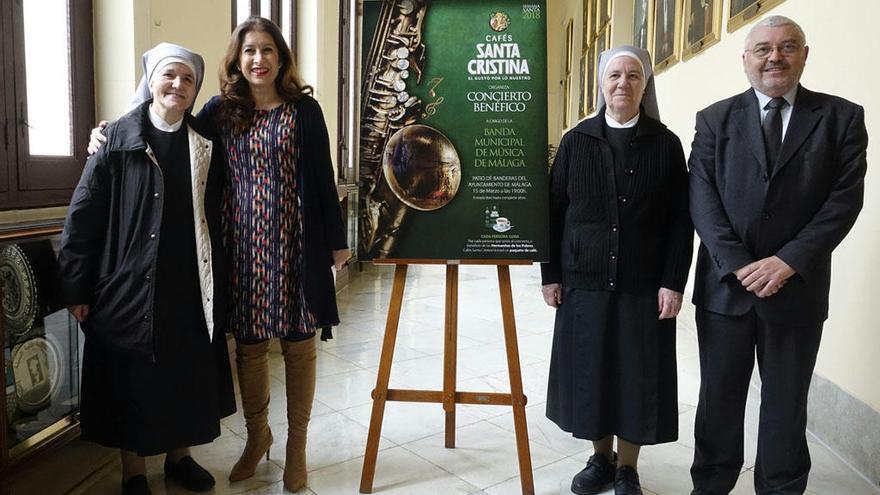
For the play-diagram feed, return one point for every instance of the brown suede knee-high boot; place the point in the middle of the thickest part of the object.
(299, 377)
(252, 362)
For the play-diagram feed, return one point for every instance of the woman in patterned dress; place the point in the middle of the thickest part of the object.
(284, 231)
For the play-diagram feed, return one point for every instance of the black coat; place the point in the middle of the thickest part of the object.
(635, 236)
(800, 213)
(109, 246)
(323, 229)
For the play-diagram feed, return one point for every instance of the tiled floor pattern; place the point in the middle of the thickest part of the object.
(412, 458)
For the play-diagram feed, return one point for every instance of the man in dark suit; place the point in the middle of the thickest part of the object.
(777, 181)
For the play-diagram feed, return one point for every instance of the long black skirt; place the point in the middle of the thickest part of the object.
(612, 368)
(151, 408)
(176, 399)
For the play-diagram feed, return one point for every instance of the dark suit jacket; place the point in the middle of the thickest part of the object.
(800, 213)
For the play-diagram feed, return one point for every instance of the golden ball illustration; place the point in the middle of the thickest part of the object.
(422, 167)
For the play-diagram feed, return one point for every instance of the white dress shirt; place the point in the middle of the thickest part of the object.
(617, 125)
(159, 123)
(763, 100)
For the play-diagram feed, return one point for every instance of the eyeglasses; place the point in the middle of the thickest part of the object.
(764, 51)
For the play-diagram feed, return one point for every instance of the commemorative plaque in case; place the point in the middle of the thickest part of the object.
(41, 347)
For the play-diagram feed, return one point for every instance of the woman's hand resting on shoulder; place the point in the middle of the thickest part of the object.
(97, 137)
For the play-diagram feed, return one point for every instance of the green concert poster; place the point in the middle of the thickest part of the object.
(453, 130)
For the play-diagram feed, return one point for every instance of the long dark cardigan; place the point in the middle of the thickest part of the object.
(635, 236)
(323, 229)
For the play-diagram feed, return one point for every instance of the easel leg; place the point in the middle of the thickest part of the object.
(450, 352)
(381, 391)
(516, 388)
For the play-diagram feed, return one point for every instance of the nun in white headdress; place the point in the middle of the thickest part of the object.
(620, 249)
(142, 271)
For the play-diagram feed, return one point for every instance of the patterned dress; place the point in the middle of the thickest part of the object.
(263, 222)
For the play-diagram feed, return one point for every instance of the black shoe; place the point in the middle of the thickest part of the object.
(626, 481)
(136, 485)
(189, 474)
(597, 476)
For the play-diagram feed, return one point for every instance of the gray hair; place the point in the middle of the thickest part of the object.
(777, 21)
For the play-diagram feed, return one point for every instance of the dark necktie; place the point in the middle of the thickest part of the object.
(772, 127)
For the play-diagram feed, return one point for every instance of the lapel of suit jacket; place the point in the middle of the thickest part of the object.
(804, 117)
(747, 121)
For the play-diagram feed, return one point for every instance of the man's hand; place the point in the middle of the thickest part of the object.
(668, 303)
(340, 256)
(552, 294)
(764, 277)
(97, 137)
(79, 311)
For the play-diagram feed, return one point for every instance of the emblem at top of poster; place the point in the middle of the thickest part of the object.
(499, 22)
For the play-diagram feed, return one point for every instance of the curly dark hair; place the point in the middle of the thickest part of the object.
(237, 103)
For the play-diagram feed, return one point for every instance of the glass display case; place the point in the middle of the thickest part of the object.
(350, 217)
(41, 350)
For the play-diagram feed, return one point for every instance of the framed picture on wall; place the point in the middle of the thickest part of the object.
(566, 102)
(566, 80)
(666, 42)
(582, 101)
(702, 25)
(592, 60)
(588, 82)
(741, 12)
(588, 28)
(603, 42)
(569, 45)
(642, 23)
(603, 14)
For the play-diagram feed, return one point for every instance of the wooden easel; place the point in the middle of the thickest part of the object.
(450, 396)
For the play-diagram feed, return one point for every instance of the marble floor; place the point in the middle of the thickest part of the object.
(412, 458)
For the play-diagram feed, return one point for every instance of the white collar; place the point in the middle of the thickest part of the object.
(789, 97)
(617, 125)
(159, 123)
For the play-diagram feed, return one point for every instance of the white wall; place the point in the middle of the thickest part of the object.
(203, 26)
(558, 14)
(115, 69)
(318, 56)
(125, 29)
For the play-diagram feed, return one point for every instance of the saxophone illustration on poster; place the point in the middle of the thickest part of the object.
(453, 130)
